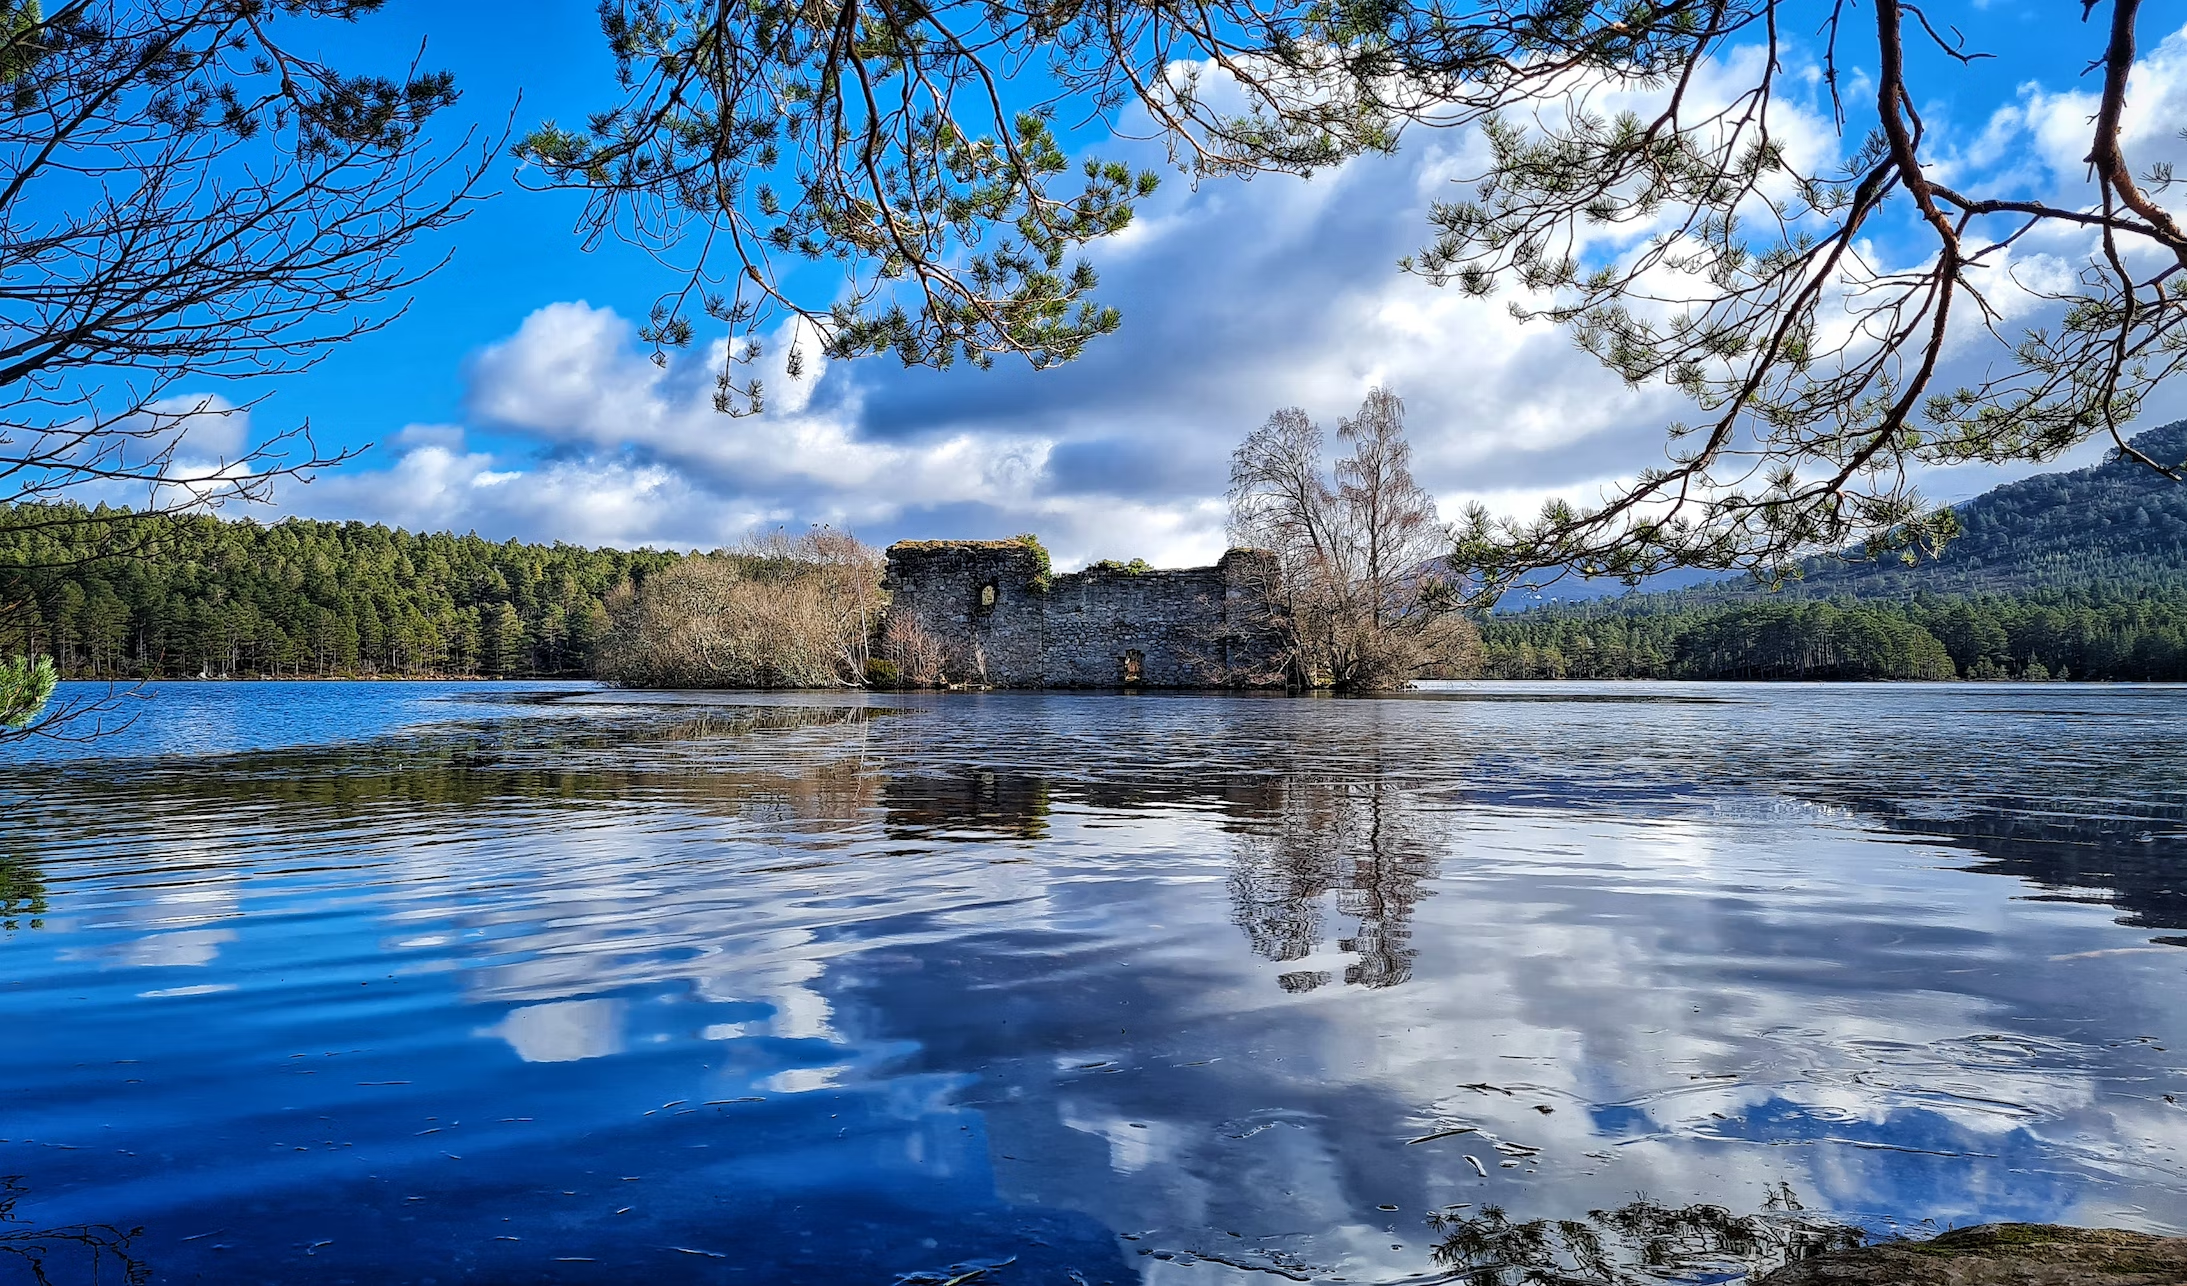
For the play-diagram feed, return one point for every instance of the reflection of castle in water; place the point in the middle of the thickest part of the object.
(1318, 864)
(1009, 805)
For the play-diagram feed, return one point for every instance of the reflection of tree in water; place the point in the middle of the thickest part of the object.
(811, 785)
(801, 771)
(761, 763)
(1369, 842)
(1009, 805)
(22, 893)
(81, 1253)
(1639, 1244)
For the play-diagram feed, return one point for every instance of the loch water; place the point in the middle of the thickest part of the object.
(546, 983)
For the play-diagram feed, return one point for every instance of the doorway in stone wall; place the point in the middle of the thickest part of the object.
(1135, 667)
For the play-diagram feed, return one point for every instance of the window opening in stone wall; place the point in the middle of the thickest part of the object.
(1135, 666)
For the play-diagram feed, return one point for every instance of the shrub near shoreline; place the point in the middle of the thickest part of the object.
(778, 612)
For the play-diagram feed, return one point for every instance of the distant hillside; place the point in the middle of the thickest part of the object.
(2074, 574)
(2117, 523)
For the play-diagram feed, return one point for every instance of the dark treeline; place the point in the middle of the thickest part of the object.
(196, 595)
(2091, 632)
(190, 596)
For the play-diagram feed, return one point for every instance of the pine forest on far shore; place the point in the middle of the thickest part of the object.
(204, 597)
(191, 596)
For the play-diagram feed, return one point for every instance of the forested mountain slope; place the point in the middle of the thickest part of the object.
(2118, 522)
(201, 595)
(2077, 574)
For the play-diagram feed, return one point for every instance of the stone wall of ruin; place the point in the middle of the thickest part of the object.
(1004, 624)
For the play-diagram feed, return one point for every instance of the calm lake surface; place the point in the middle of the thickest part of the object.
(532, 982)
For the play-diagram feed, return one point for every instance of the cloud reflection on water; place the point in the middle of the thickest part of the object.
(1212, 972)
(563, 1031)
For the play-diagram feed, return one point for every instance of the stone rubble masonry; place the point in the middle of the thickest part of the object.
(1196, 627)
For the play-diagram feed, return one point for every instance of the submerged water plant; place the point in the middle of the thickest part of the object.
(1641, 1243)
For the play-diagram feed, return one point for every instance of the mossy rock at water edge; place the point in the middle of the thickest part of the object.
(2004, 1254)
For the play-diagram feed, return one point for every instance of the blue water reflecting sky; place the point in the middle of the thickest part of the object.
(132, 720)
(1122, 989)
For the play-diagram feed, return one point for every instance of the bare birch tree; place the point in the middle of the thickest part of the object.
(1360, 588)
(918, 658)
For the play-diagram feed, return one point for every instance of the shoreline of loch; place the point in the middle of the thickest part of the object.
(2002, 1254)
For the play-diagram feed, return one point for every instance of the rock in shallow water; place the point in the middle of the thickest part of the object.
(2005, 1254)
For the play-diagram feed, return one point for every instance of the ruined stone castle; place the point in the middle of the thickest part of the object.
(1001, 620)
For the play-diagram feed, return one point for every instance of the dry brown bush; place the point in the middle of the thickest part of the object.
(918, 657)
(777, 612)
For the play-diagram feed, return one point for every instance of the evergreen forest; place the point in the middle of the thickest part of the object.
(2090, 632)
(196, 595)
(2077, 574)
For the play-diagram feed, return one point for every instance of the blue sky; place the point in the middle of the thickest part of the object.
(513, 399)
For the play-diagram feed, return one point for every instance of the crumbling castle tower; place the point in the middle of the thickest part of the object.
(1003, 621)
